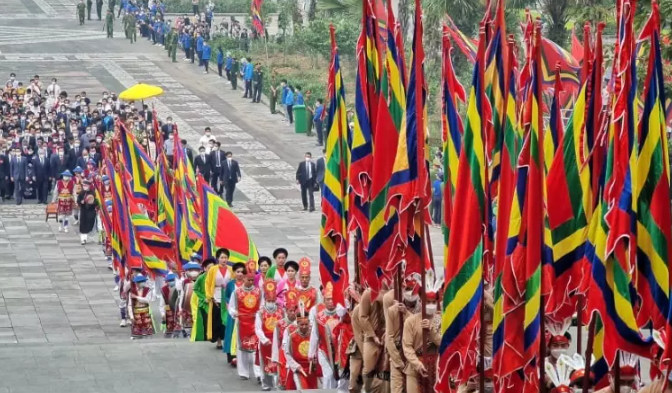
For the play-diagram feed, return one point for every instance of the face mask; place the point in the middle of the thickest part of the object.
(430, 309)
(141, 285)
(192, 274)
(307, 159)
(98, 140)
(557, 352)
(171, 284)
(66, 178)
(625, 389)
(60, 154)
(489, 388)
(410, 297)
(229, 158)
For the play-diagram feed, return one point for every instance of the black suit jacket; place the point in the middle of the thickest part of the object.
(57, 166)
(321, 168)
(42, 170)
(213, 161)
(302, 174)
(4, 166)
(202, 164)
(73, 156)
(231, 175)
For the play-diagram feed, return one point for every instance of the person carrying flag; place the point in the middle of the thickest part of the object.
(139, 299)
(169, 310)
(185, 290)
(243, 307)
(264, 326)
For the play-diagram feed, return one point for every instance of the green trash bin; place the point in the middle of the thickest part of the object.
(300, 123)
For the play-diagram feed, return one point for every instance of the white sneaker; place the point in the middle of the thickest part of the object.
(65, 230)
(60, 228)
(122, 323)
(205, 72)
(116, 288)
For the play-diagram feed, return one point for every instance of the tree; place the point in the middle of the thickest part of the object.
(556, 15)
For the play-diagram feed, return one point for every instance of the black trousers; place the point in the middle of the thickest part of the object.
(194, 7)
(248, 89)
(290, 113)
(256, 97)
(215, 181)
(219, 69)
(42, 190)
(228, 75)
(318, 131)
(206, 63)
(307, 195)
(234, 82)
(218, 326)
(230, 188)
(436, 210)
(193, 53)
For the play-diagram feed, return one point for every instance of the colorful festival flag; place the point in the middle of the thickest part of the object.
(334, 235)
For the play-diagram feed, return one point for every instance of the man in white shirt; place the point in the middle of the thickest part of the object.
(54, 89)
(205, 140)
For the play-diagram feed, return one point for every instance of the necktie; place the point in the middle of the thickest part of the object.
(41, 161)
(219, 163)
(230, 174)
(308, 167)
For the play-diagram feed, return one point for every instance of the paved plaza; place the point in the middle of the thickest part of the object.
(59, 326)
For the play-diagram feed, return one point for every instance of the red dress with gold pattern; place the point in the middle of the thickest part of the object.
(299, 346)
(285, 380)
(142, 317)
(65, 191)
(248, 302)
(172, 321)
(268, 322)
(308, 296)
(326, 322)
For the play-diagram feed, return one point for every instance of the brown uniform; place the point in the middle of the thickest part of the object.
(656, 387)
(393, 342)
(356, 352)
(413, 348)
(372, 317)
(487, 317)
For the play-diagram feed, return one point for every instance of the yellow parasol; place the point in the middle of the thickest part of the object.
(141, 91)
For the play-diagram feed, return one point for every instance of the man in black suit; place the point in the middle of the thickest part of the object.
(231, 177)
(83, 159)
(321, 169)
(306, 176)
(4, 176)
(202, 164)
(187, 150)
(73, 154)
(18, 167)
(42, 176)
(58, 164)
(217, 163)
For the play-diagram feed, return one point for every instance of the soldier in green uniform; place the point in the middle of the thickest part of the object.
(99, 9)
(131, 30)
(166, 42)
(173, 44)
(111, 4)
(89, 5)
(81, 9)
(109, 24)
(124, 22)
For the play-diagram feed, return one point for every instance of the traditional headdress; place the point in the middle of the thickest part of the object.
(432, 285)
(279, 251)
(192, 266)
(559, 375)
(78, 169)
(304, 266)
(413, 282)
(558, 331)
(628, 364)
(291, 299)
(328, 292)
(66, 173)
(171, 277)
(270, 288)
(577, 364)
(292, 264)
(139, 278)
(251, 267)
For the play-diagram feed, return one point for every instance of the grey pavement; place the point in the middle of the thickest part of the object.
(59, 326)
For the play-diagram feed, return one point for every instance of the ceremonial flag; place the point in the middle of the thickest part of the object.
(158, 136)
(257, 21)
(334, 236)
(367, 89)
(222, 229)
(382, 255)
(164, 196)
(577, 47)
(504, 350)
(137, 163)
(467, 45)
(463, 268)
(613, 241)
(654, 224)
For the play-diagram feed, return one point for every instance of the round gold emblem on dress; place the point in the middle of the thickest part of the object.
(250, 301)
(270, 323)
(303, 348)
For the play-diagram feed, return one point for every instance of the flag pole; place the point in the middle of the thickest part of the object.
(428, 241)
(423, 294)
(589, 355)
(358, 279)
(617, 372)
(482, 333)
(579, 324)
